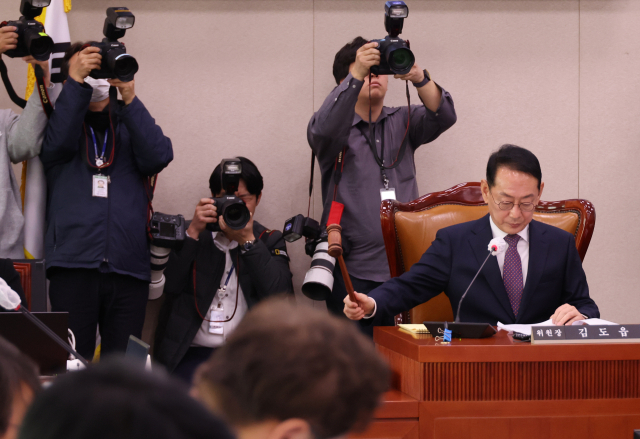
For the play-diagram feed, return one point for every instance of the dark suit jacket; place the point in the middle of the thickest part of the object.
(264, 271)
(555, 276)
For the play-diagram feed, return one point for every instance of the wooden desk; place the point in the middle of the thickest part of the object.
(500, 388)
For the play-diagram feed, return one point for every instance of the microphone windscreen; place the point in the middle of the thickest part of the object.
(335, 214)
(497, 246)
(9, 299)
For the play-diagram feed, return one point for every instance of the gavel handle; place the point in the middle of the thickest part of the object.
(347, 280)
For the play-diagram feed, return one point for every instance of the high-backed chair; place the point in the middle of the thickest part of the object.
(34, 282)
(410, 228)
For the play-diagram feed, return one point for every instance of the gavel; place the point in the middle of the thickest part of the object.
(335, 250)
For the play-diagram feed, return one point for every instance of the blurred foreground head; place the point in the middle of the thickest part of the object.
(293, 372)
(19, 383)
(119, 400)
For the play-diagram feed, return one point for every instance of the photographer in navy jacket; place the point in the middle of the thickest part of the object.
(97, 157)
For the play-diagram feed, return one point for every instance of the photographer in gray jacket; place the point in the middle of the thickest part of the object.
(20, 139)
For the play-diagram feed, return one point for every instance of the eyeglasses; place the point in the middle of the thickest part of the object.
(508, 205)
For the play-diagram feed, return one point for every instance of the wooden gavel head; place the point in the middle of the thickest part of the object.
(334, 240)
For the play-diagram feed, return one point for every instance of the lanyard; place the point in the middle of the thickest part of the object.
(226, 282)
(374, 150)
(99, 158)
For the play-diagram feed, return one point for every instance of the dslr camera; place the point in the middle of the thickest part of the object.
(234, 211)
(395, 56)
(167, 232)
(298, 226)
(116, 62)
(32, 40)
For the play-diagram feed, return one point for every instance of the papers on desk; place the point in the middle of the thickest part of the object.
(526, 329)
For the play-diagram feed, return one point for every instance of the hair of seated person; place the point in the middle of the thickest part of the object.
(250, 174)
(345, 57)
(515, 158)
(16, 370)
(285, 361)
(117, 399)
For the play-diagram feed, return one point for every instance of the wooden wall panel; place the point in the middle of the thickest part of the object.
(389, 430)
(531, 381)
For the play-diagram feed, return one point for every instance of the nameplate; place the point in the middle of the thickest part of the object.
(586, 334)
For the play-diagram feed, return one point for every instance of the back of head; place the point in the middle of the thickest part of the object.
(17, 371)
(345, 57)
(116, 399)
(250, 174)
(514, 158)
(287, 362)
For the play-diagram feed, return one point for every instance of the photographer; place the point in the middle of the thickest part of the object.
(96, 243)
(231, 270)
(20, 139)
(342, 124)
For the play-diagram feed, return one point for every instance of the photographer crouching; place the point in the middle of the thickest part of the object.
(98, 154)
(366, 150)
(227, 263)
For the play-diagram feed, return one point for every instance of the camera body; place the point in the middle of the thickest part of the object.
(234, 211)
(32, 40)
(116, 62)
(395, 56)
(167, 231)
(298, 226)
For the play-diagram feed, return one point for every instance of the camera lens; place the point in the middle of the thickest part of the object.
(236, 215)
(125, 67)
(401, 60)
(38, 45)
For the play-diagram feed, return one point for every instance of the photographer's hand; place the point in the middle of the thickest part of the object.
(127, 89)
(43, 64)
(8, 38)
(429, 93)
(206, 213)
(240, 236)
(81, 64)
(366, 56)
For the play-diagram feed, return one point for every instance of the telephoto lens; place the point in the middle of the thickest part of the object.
(318, 282)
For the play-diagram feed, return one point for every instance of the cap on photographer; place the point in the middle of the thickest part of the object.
(375, 168)
(20, 139)
(230, 270)
(96, 243)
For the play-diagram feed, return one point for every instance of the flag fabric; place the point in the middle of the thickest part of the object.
(33, 180)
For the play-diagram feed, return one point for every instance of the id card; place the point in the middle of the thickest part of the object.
(387, 194)
(215, 327)
(100, 186)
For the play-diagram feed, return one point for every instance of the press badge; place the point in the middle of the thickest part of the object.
(215, 327)
(100, 186)
(387, 194)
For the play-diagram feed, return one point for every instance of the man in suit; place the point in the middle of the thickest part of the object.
(539, 276)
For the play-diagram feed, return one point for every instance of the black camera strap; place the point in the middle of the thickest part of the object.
(40, 81)
(7, 84)
(374, 150)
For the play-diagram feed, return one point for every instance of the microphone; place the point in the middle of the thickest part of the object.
(10, 300)
(495, 247)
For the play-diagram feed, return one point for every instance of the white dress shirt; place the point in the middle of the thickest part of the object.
(205, 338)
(523, 249)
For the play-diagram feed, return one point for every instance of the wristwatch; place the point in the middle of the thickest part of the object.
(248, 245)
(425, 81)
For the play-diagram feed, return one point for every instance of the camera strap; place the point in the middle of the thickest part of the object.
(7, 84)
(403, 145)
(338, 168)
(42, 88)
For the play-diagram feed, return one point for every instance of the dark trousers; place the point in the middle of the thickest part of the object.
(194, 357)
(335, 302)
(114, 301)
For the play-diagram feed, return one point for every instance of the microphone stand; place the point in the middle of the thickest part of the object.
(51, 334)
(457, 320)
